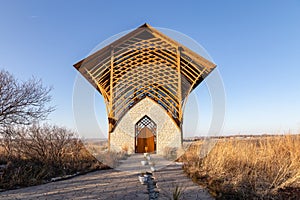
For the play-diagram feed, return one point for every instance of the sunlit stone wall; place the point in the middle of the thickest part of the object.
(168, 134)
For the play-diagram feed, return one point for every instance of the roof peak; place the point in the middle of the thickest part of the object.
(145, 25)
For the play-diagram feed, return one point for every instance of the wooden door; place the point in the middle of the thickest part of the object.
(145, 141)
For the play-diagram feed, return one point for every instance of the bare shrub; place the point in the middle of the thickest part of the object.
(45, 143)
(38, 153)
(32, 153)
(99, 150)
(22, 102)
(111, 158)
(170, 153)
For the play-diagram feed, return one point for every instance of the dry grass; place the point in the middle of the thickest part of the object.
(100, 151)
(39, 154)
(22, 172)
(256, 168)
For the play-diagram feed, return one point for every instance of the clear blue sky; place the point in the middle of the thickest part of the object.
(256, 45)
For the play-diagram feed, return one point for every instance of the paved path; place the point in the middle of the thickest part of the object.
(172, 176)
(133, 163)
(113, 184)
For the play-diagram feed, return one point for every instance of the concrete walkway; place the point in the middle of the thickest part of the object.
(172, 176)
(133, 163)
(114, 184)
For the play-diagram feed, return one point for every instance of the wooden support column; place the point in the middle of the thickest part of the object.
(111, 120)
(179, 93)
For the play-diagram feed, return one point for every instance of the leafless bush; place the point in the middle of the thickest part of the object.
(100, 151)
(38, 153)
(46, 143)
(22, 102)
(34, 153)
(170, 153)
(111, 158)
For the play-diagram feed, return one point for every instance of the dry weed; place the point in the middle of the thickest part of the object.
(255, 168)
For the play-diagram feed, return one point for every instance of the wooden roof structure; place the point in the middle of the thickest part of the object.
(144, 63)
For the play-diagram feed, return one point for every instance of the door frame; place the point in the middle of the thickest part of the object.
(145, 121)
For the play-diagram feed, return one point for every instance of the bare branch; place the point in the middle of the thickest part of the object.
(22, 103)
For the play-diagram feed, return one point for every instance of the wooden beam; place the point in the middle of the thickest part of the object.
(103, 92)
(179, 92)
(111, 115)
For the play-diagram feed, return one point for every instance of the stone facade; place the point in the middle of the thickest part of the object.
(168, 133)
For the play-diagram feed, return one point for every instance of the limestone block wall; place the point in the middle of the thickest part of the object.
(168, 133)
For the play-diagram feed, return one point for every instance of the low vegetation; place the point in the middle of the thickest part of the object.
(36, 154)
(31, 153)
(255, 168)
(99, 149)
(235, 168)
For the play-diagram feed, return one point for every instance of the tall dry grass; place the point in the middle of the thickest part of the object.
(101, 153)
(256, 168)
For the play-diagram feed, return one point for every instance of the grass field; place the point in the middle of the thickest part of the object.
(261, 167)
(254, 168)
(25, 167)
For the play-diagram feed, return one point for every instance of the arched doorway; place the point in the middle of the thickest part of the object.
(145, 135)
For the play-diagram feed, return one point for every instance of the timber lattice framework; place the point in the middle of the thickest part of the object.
(144, 63)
